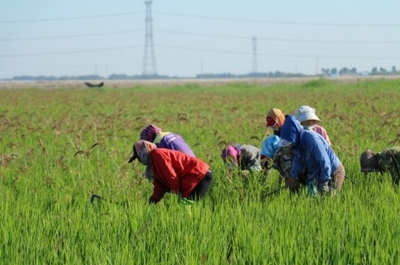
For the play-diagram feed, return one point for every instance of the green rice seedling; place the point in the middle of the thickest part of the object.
(60, 146)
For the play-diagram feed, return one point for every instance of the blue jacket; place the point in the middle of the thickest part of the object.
(310, 151)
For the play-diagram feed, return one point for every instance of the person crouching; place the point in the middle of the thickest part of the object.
(172, 171)
(312, 152)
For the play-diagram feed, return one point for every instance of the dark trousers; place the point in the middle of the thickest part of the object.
(202, 187)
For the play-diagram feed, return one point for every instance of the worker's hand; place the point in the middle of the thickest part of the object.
(325, 189)
(186, 203)
(245, 173)
(255, 168)
(292, 183)
(312, 190)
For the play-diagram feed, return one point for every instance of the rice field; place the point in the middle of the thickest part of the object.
(58, 146)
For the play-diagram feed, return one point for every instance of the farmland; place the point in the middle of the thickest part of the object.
(58, 146)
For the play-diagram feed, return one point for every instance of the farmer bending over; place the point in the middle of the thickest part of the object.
(325, 172)
(172, 171)
(245, 157)
(387, 160)
(281, 159)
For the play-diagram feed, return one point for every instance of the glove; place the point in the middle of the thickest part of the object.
(325, 189)
(255, 168)
(185, 202)
(312, 188)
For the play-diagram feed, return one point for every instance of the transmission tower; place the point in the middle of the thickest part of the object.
(254, 54)
(149, 60)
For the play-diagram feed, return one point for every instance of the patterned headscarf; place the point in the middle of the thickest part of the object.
(149, 133)
(143, 149)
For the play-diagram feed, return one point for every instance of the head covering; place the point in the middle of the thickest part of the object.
(231, 155)
(306, 113)
(269, 146)
(291, 131)
(231, 151)
(149, 133)
(369, 162)
(141, 150)
(277, 116)
(270, 122)
(134, 156)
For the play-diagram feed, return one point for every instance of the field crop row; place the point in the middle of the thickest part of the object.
(59, 146)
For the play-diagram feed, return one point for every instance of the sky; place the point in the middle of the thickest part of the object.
(86, 37)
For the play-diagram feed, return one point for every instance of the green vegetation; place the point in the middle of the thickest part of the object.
(57, 147)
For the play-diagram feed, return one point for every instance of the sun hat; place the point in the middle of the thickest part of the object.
(306, 113)
(149, 133)
(269, 146)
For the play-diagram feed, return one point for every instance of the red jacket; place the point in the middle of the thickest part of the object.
(175, 172)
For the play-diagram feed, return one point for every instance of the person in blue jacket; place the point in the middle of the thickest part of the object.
(311, 152)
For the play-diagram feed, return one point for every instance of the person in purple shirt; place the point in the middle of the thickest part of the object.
(313, 153)
(167, 140)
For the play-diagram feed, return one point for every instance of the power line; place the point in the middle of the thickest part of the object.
(203, 35)
(277, 39)
(201, 50)
(292, 23)
(278, 55)
(72, 36)
(68, 18)
(72, 52)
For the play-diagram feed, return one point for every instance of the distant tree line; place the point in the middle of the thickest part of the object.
(324, 71)
(353, 71)
(141, 77)
(250, 75)
(89, 77)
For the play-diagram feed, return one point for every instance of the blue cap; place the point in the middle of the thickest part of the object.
(269, 146)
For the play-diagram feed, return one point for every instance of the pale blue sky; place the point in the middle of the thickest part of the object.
(59, 38)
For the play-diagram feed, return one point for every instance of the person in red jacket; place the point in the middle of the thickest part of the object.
(172, 171)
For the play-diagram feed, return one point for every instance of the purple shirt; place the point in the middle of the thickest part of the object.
(173, 141)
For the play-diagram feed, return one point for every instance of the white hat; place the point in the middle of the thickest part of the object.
(305, 113)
